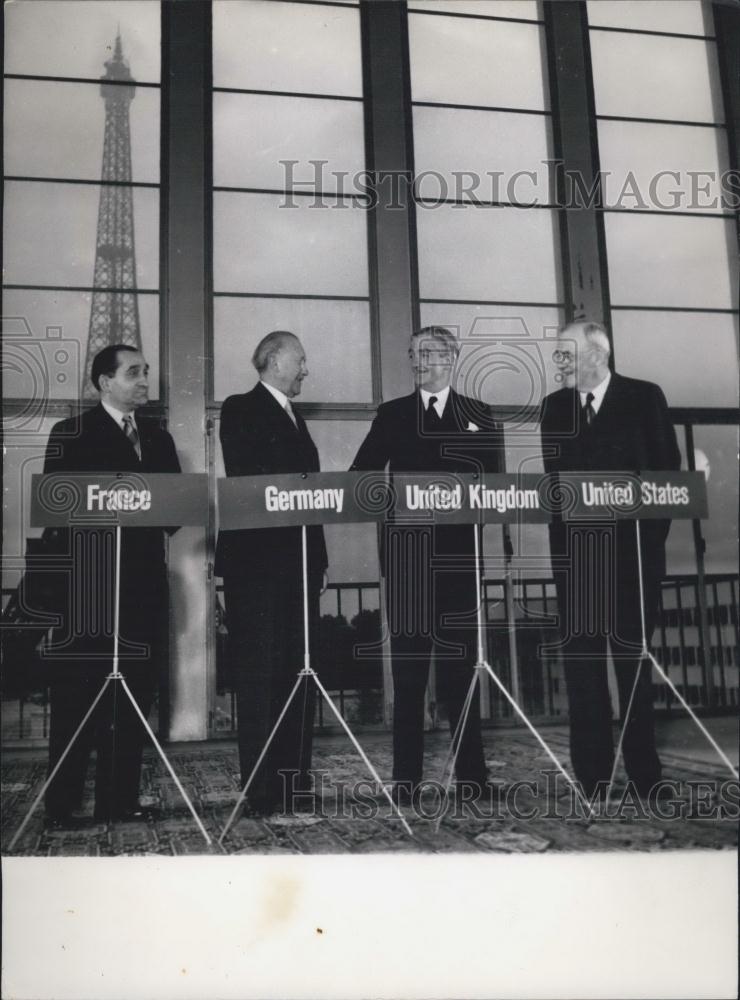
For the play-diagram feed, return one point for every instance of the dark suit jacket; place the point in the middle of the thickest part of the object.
(400, 440)
(632, 432)
(92, 442)
(258, 438)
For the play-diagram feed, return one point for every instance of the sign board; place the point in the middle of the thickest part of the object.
(131, 499)
(456, 498)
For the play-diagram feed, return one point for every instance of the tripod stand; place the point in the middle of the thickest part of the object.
(116, 679)
(645, 654)
(308, 674)
(482, 666)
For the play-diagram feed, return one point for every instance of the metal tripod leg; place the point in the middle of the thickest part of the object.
(59, 763)
(539, 739)
(646, 654)
(694, 716)
(448, 768)
(362, 754)
(262, 756)
(167, 764)
(484, 665)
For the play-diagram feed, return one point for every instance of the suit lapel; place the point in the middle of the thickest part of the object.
(610, 402)
(114, 443)
(278, 413)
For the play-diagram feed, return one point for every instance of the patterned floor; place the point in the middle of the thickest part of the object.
(538, 814)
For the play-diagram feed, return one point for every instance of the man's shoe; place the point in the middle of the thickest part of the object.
(139, 814)
(66, 820)
(310, 803)
(136, 814)
(262, 806)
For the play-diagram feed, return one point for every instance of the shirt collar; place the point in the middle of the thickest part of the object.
(441, 399)
(117, 415)
(598, 393)
(279, 396)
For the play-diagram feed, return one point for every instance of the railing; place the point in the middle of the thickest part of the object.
(700, 651)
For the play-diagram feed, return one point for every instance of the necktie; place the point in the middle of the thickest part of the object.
(430, 416)
(291, 414)
(589, 412)
(132, 434)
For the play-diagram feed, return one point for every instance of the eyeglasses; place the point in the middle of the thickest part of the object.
(559, 357)
(428, 354)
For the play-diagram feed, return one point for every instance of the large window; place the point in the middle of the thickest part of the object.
(289, 236)
(58, 216)
(670, 233)
(290, 240)
(81, 216)
(489, 259)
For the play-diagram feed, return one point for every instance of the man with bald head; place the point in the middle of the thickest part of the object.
(603, 422)
(261, 433)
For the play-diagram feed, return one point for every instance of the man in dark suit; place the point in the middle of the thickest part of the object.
(107, 438)
(602, 421)
(263, 580)
(432, 595)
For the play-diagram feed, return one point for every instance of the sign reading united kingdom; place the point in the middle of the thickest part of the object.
(449, 498)
(132, 499)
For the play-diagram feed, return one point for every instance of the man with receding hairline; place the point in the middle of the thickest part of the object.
(261, 433)
(110, 437)
(603, 422)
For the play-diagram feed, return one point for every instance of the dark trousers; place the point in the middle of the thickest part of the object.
(432, 607)
(265, 624)
(600, 605)
(114, 731)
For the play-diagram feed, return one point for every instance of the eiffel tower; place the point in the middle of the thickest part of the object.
(114, 316)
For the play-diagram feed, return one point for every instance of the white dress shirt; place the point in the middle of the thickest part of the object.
(598, 393)
(439, 406)
(118, 415)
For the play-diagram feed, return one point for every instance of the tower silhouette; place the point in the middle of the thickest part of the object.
(114, 312)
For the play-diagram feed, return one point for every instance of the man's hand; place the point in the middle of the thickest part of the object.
(324, 583)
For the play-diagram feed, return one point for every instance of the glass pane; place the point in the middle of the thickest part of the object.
(352, 548)
(479, 253)
(460, 61)
(290, 47)
(680, 551)
(715, 449)
(48, 39)
(658, 260)
(506, 353)
(645, 341)
(645, 76)
(45, 334)
(260, 246)
(252, 134)
(482, 155)
(651, 166)
(531, 542)
(21, 459)
(57, 129)
(685, 17)
(50, 233)
(335, 336)
(529, 10)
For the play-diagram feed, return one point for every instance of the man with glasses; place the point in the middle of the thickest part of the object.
(429, 570)
(603, 422)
